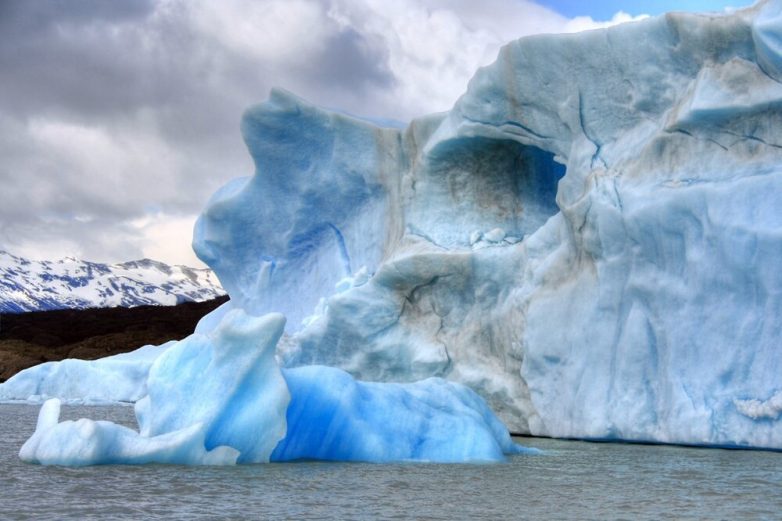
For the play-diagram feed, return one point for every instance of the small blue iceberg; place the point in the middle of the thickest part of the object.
(220, 398)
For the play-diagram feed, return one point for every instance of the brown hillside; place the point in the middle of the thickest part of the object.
(27, 339)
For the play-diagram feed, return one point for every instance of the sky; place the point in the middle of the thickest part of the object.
(605, 9)
(118, 119)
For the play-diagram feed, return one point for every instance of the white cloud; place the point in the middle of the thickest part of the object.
(110, 166)
(168, 237)
(273, 32)
(116, 126)
(585, 23)
(435, 46)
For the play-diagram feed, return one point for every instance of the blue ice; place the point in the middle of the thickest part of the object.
(221, 399)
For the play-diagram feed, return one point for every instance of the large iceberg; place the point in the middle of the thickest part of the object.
(590, 239)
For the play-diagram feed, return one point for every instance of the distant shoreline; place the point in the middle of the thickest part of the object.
(34, 337)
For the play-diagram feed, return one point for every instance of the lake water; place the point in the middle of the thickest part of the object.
(572, 480)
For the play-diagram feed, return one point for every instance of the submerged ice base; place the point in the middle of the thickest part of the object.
(221, 399)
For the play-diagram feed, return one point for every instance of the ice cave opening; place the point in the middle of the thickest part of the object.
(496, 190)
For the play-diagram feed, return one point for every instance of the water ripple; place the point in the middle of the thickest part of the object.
(573, 480)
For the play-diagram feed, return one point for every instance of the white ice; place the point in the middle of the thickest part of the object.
(118, 378)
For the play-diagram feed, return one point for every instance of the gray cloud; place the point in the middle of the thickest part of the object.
(119, 119)
(73, 57)
(348, 54)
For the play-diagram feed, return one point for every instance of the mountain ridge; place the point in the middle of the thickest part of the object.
(70, 283)
(28, 339)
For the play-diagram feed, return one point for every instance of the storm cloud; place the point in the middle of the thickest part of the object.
(119, 119)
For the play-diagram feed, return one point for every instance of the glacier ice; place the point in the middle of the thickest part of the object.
(88, 442)
(118, 378)
(210, 399)
(333, 417)
(589, 239)
(757, 409)
(222, 399)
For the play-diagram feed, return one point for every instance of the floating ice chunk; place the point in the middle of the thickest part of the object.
(87, 442)
(211, 399)
(334, 417)
(118, 378)
(221, 399)
(228, 381)
(628, 313)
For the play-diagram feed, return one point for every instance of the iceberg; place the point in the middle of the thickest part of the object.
(119, 378)
(222, 399)
(333, 417)
(589, 239)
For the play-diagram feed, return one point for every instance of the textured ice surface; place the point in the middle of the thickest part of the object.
(317, 213)
(211, 399)
(118, 378)
(590, 239)
(221, 399)
(88, 442)
(334, 417)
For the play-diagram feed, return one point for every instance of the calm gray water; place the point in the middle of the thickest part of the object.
(573, 480)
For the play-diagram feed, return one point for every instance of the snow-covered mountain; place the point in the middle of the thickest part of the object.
(29, 285)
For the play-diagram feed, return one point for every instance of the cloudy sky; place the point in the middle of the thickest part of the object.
(118, 119)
